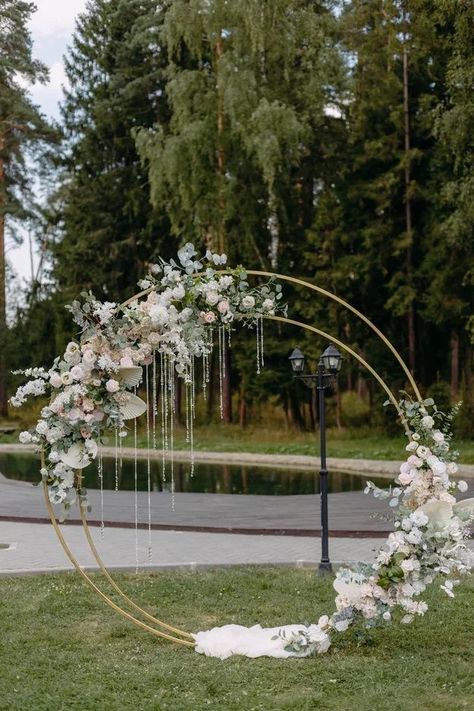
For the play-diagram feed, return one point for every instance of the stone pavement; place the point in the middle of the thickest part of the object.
(34, 548)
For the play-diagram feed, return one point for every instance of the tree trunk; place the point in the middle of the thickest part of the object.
(3, 290)
(221, 227)
(242, 405)
(296, 416)
(454, 366)
(408, 207)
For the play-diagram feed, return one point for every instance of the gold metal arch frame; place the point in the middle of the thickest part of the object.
(162, 629)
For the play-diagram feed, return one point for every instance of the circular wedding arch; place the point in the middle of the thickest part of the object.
(167, 631)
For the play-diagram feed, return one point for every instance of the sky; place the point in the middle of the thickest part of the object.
(51, 28)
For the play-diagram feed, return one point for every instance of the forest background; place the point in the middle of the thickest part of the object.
(331, 141)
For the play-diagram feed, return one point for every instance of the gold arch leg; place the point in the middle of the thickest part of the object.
(117, 588)
(96, 589)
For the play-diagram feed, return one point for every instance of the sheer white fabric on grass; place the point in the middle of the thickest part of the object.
(258, 641)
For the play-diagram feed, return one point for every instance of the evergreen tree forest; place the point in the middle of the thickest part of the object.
(330, 141)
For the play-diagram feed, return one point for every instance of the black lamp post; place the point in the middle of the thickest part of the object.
(328, 367)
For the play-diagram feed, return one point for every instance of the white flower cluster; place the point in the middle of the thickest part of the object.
(429, 539)
(430, 534)
(89, 387)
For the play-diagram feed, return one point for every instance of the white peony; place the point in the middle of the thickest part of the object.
(248, 302)
(462, 486)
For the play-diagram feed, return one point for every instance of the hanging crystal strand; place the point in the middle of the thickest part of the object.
(193, 413)
(116, 457)
(135, 481)
(155, 403)
(187, 400)
(229, 337)
(262, 359)
(204, 369)
(171, 441)
(163, 425)
(258, 345)
(221, 384)
(148, 462)
(100, 471)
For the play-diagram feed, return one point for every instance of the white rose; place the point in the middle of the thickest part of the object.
(42, 427)
(387, 616)
(423, 452)
(452, 468)
(223, 306)
(415, 436)
(411, 446)
(248, 302)
(438, 436)
(25, 437)
(462, 486)
(212, 297)
(112, 386)
(427, 422)
(268, 304)
(72, 348)
(66, 378)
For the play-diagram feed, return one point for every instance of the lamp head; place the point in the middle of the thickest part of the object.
(332, 359)
(297, 361)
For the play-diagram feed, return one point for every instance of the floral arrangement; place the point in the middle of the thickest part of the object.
(428, 543)
(91, 387)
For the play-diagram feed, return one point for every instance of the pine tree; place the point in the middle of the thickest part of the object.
(448, 265)
(22, 128)
(109, 229)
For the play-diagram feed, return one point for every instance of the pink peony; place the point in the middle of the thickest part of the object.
(223, 306)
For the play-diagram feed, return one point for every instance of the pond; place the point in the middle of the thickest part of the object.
(207, 478)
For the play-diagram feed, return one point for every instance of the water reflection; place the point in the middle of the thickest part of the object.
(208, 478)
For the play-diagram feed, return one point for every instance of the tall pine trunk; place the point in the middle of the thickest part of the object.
(454, 366)
(3, 298)
(408, 207)
(221, 227)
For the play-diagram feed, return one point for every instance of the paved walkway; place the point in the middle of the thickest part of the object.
(34, 548)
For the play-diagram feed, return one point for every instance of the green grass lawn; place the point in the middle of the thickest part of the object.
(348, 444)
(61, 648)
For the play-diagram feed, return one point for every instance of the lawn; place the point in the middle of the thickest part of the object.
(346, 443)
(62, 649)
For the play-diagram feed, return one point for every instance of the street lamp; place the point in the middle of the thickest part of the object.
(329, 365)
